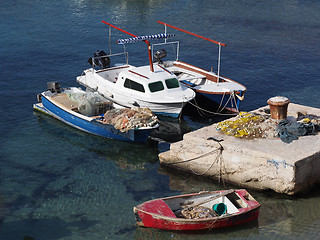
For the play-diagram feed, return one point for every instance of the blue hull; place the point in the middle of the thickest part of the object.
(173, 115)
(222, 100)
(213, 101)
(94, 127)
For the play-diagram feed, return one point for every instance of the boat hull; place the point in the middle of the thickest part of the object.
(151, 221)
(212, 102)
(166, 103)
(91, 126)
(157, 213)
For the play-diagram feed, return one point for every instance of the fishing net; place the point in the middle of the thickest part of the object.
(250, 125)
(246, 125)
(90, 103)
(197, 213)
(126, 118)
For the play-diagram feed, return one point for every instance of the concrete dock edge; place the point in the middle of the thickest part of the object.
(260, 163)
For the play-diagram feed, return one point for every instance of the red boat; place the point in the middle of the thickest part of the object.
(203, 210)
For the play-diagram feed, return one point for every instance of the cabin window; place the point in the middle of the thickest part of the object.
(172, 83)
(156, 86)
(133, 85)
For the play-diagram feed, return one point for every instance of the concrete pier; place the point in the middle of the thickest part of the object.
(260, 163)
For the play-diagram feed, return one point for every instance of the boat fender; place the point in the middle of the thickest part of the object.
(241, 98)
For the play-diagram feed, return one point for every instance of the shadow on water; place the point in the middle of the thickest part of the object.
(247, 230)
(49, 229)
(121, 152)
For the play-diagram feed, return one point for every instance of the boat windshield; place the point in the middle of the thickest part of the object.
(156, 86)
(133, 85)
(172, 83)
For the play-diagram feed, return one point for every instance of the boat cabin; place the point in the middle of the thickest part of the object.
(142, 80)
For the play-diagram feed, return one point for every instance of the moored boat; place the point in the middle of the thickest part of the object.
(148, 86)
(214, 93)
(197, 211)
(91, 113)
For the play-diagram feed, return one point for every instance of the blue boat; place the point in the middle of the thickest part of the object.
(91, 113)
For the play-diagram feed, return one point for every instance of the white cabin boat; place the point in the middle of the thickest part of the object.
(151, 86)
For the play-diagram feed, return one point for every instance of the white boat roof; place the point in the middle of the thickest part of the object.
(145, 72)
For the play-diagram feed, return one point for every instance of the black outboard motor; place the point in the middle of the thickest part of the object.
(53, 87)
(103, 58)
(100, 59)
(159, 54)
(93, 62)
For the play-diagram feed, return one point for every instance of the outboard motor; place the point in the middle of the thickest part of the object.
(103, 59)
(93, 62)
(100, 59)
(159, 54)
(53, 87)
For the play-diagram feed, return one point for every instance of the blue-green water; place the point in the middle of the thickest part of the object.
(59, 183)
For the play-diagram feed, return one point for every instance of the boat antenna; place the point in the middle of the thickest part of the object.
(219, 63)
(199, 36)
(110, 39)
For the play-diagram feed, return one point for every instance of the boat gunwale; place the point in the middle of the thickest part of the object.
(226, 79)
(112, 68)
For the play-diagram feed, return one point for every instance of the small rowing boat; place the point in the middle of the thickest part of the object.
(197, 211)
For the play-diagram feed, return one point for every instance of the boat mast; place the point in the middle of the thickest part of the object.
(146, 41)
(196, 35)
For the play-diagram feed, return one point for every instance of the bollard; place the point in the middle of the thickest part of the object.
(278, 107)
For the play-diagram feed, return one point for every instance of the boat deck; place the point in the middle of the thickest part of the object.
(63, 99)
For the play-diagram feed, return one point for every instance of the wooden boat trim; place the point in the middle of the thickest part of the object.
(210, 77)
(140, 75)
(192, 68)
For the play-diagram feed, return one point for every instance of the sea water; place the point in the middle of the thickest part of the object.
(59, 183)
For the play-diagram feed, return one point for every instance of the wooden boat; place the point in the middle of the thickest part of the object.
(91, 113)
(147, 86)
(197, 211)
(214, 93)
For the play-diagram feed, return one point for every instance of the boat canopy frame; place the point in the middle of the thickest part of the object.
(199, 36)
(167, 43)
(137, 38)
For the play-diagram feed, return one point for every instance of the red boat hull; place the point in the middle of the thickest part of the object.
(150, 221)
(159, 215)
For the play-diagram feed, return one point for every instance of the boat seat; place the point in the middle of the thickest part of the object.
(158, 207)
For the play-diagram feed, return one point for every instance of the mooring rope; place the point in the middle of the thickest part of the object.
(195, 158)
(196, 105)
(217, 159)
